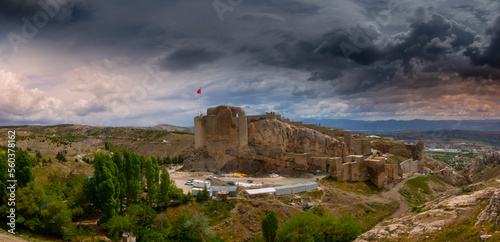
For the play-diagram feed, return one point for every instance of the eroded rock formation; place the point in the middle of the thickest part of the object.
(270, 137)
(490, 213)
(481, 163)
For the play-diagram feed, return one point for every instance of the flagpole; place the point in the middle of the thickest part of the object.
(200, 103)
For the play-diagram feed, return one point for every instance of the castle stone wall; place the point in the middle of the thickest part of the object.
(409, 166)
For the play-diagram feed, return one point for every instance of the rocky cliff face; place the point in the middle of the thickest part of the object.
(488, 160)
(490, 213)
(437, 215)
(275, 138)
(270, 142)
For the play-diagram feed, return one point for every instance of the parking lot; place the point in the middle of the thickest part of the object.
(180, 178)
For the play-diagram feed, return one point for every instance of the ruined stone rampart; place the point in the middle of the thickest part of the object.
(409, 166)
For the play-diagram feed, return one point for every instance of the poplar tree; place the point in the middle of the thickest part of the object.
(164, 195)
(120, 164)
(133, 175)
(107, 186)
(270, 226)
(152, 177)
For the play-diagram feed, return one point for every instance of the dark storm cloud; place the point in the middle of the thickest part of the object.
(490, 55)
(430, 43)
(188, 59)
(429, 40)
(411, 58)
(63, 10)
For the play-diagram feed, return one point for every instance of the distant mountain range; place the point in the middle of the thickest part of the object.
(400, 125)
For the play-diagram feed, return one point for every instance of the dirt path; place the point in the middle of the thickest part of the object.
(4, 236)
(91, 222)
(394, 194)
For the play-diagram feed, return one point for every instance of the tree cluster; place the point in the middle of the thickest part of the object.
(311, 226)
(46, 207)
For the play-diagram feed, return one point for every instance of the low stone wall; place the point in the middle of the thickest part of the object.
(409, 166)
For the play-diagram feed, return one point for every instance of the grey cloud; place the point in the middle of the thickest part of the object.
(188, 59)
(64, 10)
(89, 108)
(490, 55)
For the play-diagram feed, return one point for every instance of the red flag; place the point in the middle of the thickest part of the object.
(199, 91)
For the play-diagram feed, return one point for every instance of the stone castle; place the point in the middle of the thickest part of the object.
(228, 140)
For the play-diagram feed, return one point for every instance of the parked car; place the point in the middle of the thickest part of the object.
(210, 177)
(189, 182)
(250, 181)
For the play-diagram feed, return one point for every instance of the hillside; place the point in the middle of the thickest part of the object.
(445, 136)
(167, 127)
(83, 140)
(419, 206)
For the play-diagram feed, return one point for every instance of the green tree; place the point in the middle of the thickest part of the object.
(29, 201)
(76, 198)
(347, 229)
(38, 154)
(191, 228)
(301, 227)
(122, 180)
(23, 168)
(3, 177)
(90, 190)
(56, 217)
(118, 225)
(142, 215)
(203, 195)
(107, 186)
(165, 184)
(270, 226)
(108, 146)
(310, 226)
(133, 175)
(61, 157)
(152, 177)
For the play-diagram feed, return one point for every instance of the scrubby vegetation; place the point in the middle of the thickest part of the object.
(417, 191)
(311, 226)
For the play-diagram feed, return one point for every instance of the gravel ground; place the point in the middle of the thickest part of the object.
(180, 178)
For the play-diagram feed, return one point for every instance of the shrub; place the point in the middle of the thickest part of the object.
(270, 226)
(309, 226)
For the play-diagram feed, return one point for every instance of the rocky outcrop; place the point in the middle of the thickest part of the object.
(416, 152)
(490, 213)
(470, 188)
(436, 214)
(451, 176)
(275, 138)
(481, 163)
